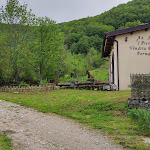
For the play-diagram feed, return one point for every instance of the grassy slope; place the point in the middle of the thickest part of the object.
(5, 143)
(100, 74)
(99, 109)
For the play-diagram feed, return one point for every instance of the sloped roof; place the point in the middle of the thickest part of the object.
(110, 37)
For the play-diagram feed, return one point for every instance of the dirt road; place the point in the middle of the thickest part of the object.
(32, 130)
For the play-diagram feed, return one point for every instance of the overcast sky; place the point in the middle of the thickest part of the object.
(67, 10)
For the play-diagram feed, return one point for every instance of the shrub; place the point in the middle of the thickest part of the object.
(44, 82)
(23, 84)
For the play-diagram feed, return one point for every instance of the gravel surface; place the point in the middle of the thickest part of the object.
(32, 130)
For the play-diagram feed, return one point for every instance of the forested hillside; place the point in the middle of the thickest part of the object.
(83, 34)
(37, 49)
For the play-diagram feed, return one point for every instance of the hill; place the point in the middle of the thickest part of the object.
(81, 35)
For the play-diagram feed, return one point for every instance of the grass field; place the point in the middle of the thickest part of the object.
(100, 74)
(5, 142)
(102, 110)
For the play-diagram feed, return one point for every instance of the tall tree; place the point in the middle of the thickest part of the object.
(45, 44)
(15, 22)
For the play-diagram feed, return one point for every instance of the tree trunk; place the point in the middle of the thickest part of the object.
(16, 77)
(41, 72)
(57, 75)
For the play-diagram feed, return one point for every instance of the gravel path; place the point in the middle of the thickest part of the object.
(32, 130)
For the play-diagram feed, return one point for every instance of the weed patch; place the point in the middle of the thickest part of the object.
(142, 117)
(5, 142)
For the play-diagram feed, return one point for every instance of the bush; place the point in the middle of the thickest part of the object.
(23, 84)
(142, 116)
(44, 82)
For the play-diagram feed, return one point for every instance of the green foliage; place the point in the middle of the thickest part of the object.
(43, 82)
(29, 46)
(133, 142)
(5, 143)
(100, 74)
(142, 116)
(130, 24)
(130, 12)
(14, 26)
(45, 45)
(23, 84)
(33, 49)
(85, 36)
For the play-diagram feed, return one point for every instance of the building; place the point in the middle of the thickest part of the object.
(129, 53)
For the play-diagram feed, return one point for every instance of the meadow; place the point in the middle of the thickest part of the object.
(102, 110)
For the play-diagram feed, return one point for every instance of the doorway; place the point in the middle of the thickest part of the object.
(113, 74)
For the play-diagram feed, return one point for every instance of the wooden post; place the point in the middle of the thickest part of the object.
(21, 89)
(13, 89)
(32, 88)
(43, 87)
(28, 89)
(35, 88)
(54, 86)
(39, 88)
(50, 86)
(16, 89)
(46, 87)
(25, 89)
(7, 89)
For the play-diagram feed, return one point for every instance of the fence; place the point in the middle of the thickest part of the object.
(140, 86)
(36, 88)
(140, 91)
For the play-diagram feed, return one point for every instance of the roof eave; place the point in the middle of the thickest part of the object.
(111, 35)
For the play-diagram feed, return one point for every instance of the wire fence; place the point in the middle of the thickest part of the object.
(140, 86)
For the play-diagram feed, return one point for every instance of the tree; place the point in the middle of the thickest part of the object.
(131, 24)
(93, 59)
(45, 44)
(16, 22)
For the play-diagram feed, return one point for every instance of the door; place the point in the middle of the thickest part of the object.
(113, 69)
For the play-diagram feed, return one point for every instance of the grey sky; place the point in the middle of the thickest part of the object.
(67, 10)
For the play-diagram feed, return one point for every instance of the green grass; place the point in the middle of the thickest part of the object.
(103, 110)
(100, 74)
(142, 117)
(5, 142)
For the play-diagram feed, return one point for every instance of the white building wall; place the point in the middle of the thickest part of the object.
(134, 56)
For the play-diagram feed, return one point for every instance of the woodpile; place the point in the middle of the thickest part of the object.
(88, 85)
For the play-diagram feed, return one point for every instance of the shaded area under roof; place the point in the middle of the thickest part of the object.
(110, 37)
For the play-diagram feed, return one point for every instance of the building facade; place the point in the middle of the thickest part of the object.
(129, 53)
